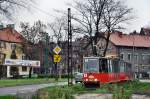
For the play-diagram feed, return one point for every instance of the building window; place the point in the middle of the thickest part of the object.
(143, 67)
(143, 57)
(136, 57)
(129, 57)
(146, 59)
(2, 44)
(122, 56)
(13, 46)
(24, 69)
(2, 56)
(23, 57)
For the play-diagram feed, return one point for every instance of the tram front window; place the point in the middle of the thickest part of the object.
(91, 65)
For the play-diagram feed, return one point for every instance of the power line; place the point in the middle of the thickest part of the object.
(41, 10)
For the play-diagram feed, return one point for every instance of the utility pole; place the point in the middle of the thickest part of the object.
(133, 50)
(70, 74)
(46, 52)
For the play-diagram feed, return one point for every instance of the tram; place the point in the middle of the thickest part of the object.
(105, 70)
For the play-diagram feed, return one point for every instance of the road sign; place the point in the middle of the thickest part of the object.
(57, 58)
(57, 49)
(16, 62)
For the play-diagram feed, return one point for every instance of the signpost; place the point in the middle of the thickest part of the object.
(57, 58)
(57, 49)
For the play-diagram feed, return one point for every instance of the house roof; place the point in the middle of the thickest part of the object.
(130, 40)
(10, 35)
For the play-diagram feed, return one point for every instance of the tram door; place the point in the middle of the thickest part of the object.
(115, 69)
(103, 65)
(104, 70)
(110, 70)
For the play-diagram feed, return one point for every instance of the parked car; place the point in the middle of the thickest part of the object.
(78, 77)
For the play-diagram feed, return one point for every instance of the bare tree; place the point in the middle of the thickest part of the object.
(9, 7)
(32, 35)
(57, 28)
(115, 15)
(89, 15)
(94, 16)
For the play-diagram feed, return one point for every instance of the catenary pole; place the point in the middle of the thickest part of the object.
(70, 74)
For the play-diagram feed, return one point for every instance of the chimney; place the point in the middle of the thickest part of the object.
(120, 34)
(1, 26)
(11, 26)
(142, 31)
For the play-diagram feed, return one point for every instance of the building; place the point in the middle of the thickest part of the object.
(11, 48)
(145, 31)
(133, 48)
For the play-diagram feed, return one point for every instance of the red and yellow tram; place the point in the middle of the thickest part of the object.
(105, 70)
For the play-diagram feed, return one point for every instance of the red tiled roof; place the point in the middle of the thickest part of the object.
(130, 40)
(10, 35)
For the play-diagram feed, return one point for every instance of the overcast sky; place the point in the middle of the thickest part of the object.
(44, 10)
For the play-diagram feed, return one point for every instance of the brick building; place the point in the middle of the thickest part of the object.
(134, 49)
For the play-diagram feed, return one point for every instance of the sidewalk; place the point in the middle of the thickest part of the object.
(26, 88)
(107, 96)
(145, 80)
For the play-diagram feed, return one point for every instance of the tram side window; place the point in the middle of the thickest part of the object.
(128, 66)
(115, 66)
(103, 65)
(110, 67)
(125, 67)
(122, 66)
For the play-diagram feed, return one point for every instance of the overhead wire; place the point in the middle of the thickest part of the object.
(41, 10)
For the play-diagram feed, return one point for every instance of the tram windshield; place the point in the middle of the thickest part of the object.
(91, 65)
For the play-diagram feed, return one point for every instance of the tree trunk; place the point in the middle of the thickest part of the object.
(92, 45)
(95, 42)
(107, 42)
(30, 72)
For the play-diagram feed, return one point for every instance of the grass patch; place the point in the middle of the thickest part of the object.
(60, 92)
(15, 82)
(9, 97)
(119, 91)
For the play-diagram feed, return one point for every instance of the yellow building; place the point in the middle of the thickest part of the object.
(11, 48)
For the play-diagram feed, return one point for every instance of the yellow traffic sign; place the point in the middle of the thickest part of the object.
(57, 49)
(57, 58)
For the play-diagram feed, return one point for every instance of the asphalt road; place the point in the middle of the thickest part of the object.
(26, 88)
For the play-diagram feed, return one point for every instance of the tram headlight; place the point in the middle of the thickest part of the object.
(95, 79)
(86, 79)
(85, 75)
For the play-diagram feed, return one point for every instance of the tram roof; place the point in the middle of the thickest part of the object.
(102, 57)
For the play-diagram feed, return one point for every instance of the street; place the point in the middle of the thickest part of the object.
(26, 88)
(32, 88)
